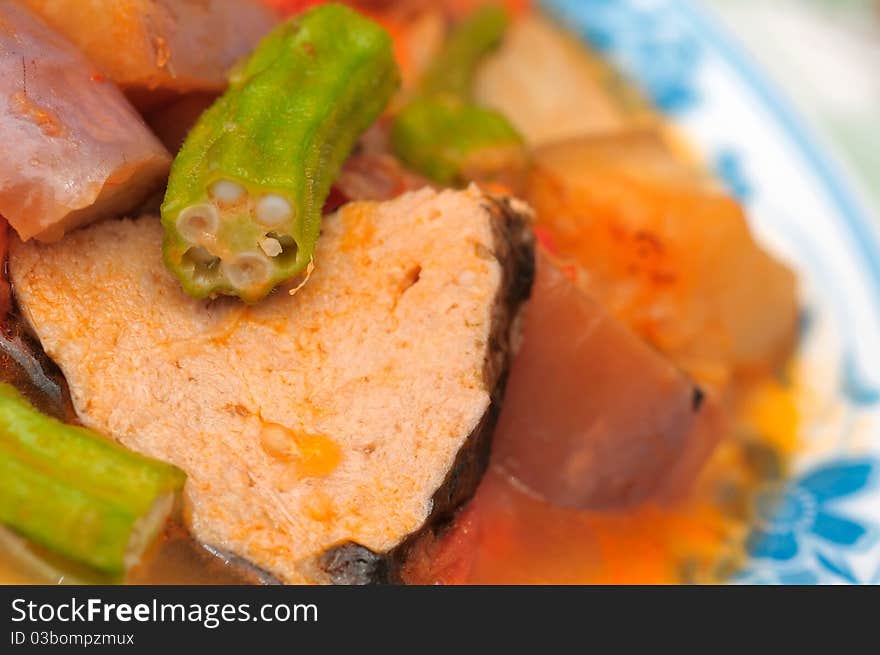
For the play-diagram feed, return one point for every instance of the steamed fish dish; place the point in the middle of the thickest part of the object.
(358, 293)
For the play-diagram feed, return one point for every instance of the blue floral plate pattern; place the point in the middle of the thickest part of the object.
(822, 525)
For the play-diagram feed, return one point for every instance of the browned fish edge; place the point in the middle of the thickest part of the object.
(514, 247)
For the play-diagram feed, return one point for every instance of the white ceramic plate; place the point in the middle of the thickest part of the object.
(822, 525)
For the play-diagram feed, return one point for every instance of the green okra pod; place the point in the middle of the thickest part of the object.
(77, 493)
(445, 136)
(452, 70)
(453, 142)
(243, 208)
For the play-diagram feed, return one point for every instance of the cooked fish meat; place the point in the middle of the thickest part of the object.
(74, 148)
(147, 46)
(319, 430)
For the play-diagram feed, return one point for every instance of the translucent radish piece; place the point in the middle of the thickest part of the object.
(74, 148)
(593, 418)
(154, 47)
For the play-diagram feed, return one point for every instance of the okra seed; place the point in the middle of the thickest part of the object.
(204, 265)
(272, 247)
(273, 210)
(201, 257)
(198, 222)
(289, 249)
(226, 191)
(247, 270)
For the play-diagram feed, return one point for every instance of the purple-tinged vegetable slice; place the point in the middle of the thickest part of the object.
(155, 49)
(74, 148)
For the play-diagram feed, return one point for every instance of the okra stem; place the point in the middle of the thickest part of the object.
(243, 208)
(77, 493)
(452, 71)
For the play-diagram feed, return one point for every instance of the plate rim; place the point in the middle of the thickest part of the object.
(838, 182)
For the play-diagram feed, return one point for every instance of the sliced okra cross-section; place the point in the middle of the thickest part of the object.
(242, 211)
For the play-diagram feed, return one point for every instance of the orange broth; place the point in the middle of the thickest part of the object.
(506, 536)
